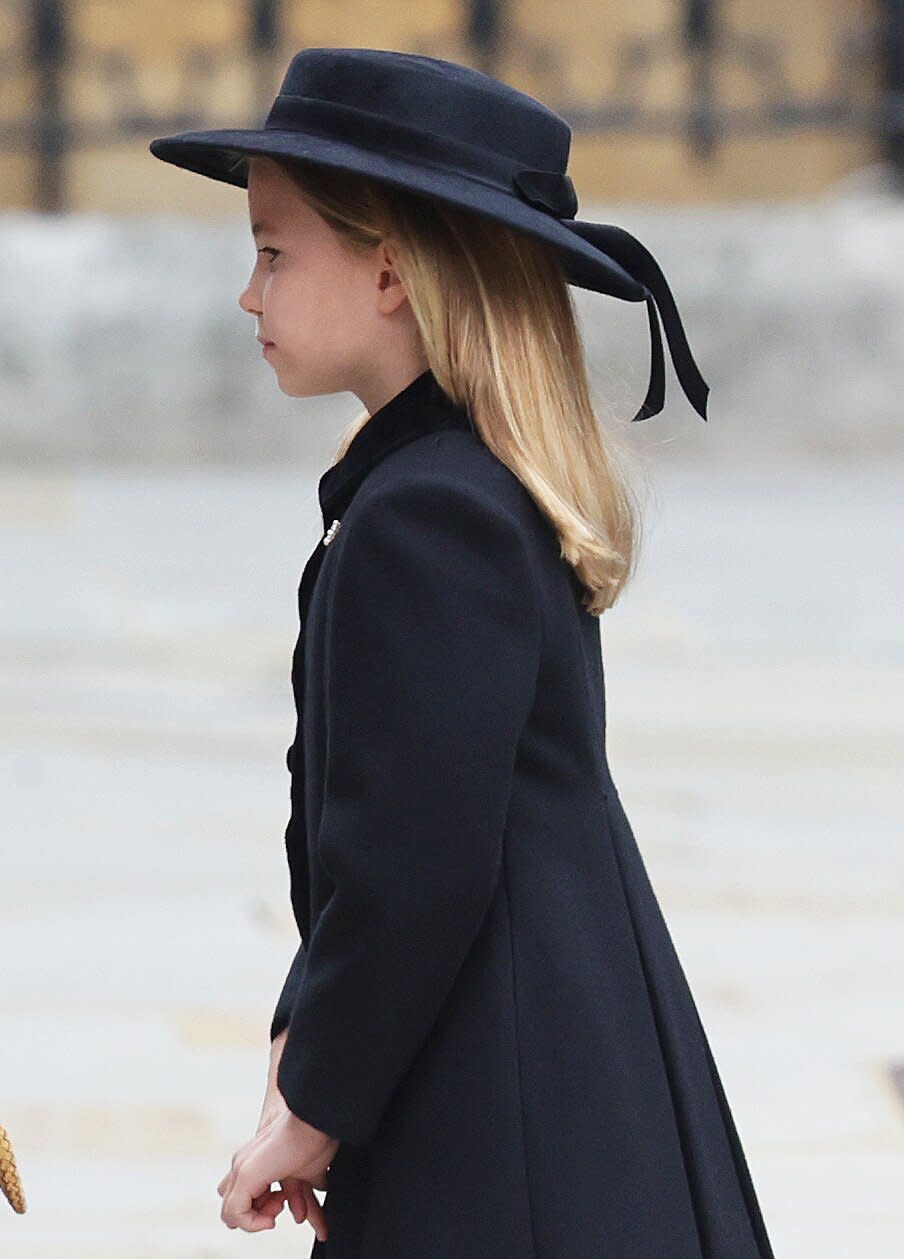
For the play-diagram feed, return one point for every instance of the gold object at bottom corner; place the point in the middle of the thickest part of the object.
(9, 1176)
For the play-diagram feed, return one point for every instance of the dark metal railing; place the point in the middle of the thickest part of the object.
(864, 92)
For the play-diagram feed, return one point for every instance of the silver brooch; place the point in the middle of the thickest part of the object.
(330, 533)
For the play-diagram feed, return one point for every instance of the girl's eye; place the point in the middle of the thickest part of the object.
(268, 249)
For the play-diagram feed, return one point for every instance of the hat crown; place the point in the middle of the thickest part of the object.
(433, 95)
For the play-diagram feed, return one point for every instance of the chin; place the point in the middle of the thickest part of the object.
(301, 389)
(289, 387)
(296, 391)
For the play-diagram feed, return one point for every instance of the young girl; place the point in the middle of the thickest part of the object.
(486, 1046)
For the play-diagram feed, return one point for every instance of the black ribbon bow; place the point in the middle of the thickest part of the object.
(548, 190)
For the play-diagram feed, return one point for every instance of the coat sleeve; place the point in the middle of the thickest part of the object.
(433, 644)
(296, 855)
(286, 999)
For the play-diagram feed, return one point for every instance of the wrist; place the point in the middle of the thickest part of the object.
(276, 1048)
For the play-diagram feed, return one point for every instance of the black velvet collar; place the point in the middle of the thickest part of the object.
(421, 407)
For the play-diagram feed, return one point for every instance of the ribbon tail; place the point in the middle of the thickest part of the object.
(637, 260)
(655, 399)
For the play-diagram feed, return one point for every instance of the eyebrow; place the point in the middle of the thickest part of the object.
(260, 226)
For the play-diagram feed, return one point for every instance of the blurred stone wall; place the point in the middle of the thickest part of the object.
(122, 339)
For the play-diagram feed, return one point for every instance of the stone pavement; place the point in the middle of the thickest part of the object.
(755, 682)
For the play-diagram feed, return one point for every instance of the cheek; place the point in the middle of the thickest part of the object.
(286, 306)
(312, 309)
(307, 312)
(343, 302)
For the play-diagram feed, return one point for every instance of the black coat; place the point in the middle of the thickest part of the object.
(486, 1009)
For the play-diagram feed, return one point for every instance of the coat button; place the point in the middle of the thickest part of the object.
(330, 533)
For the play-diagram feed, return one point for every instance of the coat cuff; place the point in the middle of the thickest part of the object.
(283, 1011)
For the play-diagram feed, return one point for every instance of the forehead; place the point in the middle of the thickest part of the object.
(268, 184)
(272, 195)
(276, 203)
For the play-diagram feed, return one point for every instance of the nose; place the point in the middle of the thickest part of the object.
(248, 301)
(247, 305)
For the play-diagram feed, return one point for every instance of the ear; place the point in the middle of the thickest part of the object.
(392, 292)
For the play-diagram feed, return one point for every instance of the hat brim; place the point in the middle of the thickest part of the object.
(215, 154)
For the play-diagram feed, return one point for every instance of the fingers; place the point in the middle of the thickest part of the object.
(297, 1194)
(316, 1214)
(269, 1203)
(250, 1202)
(254, 1214)
(303, 1204)
(296, 1198)
(225, 1184)
(251, 1212)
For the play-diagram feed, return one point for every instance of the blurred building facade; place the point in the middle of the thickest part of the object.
(689, 101)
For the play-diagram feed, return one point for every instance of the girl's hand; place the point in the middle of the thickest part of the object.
(297, 1194)
(284, 1148)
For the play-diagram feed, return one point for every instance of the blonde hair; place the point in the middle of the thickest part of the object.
(500, 333)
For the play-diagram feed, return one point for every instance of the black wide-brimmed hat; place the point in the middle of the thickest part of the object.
(451, 132)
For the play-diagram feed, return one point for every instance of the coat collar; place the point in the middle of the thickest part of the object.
(421, 407)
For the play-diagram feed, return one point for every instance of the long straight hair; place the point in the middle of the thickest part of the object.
(500, 333)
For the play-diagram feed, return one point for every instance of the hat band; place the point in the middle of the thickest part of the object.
(547, 190)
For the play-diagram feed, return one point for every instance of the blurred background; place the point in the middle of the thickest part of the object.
(158, 501)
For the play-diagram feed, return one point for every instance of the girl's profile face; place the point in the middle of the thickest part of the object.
(322, 308)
